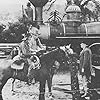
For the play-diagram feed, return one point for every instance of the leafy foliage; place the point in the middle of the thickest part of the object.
(13, 32)
(87, 12)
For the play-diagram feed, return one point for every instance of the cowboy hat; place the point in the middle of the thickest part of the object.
(83, 44)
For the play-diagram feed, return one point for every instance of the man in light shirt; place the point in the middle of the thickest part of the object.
(85, 66)
(35, 43)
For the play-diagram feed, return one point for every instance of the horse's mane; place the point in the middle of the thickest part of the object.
(48, 55)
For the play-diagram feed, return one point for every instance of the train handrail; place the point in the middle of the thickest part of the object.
(93, 44)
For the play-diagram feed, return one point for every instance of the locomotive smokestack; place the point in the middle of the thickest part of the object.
(38, 15)
(38, 4)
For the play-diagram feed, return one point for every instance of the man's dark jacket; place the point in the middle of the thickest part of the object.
(85, 62)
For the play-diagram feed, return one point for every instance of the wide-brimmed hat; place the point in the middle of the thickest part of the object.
(83, 44)
(68, 46)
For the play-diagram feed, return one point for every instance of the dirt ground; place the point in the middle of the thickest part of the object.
(61, 83)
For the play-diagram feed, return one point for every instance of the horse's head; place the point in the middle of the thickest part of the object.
(60, 55)
(68, 49)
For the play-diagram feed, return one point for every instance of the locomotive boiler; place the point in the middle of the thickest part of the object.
(71, 29)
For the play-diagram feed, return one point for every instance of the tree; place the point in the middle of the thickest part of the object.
(86, 11)
(51, 4)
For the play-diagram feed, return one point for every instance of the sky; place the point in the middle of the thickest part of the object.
(6, 3)
(2, 2)
(16, 5)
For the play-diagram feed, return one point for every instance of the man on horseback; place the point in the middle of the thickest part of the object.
(31, 42)
(30, 46)
(85, 66)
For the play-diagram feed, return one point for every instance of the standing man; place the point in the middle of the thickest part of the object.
(85, 66)
(29, 12)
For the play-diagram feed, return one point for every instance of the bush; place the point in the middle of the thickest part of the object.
(12, 33)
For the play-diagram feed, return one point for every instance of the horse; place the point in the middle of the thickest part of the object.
(85, 68)
(42, 75)
(46, 72)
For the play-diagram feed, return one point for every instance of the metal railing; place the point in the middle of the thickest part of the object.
(4, 47)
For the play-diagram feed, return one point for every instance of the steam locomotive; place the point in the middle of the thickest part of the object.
(84, 32)
(70, 29)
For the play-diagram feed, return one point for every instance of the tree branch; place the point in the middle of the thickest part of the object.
(85, 3)
(50, 6)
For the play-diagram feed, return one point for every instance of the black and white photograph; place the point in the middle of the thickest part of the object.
(49, 49)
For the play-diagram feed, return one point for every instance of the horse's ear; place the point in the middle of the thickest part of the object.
(69, 45)
(62, 48)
